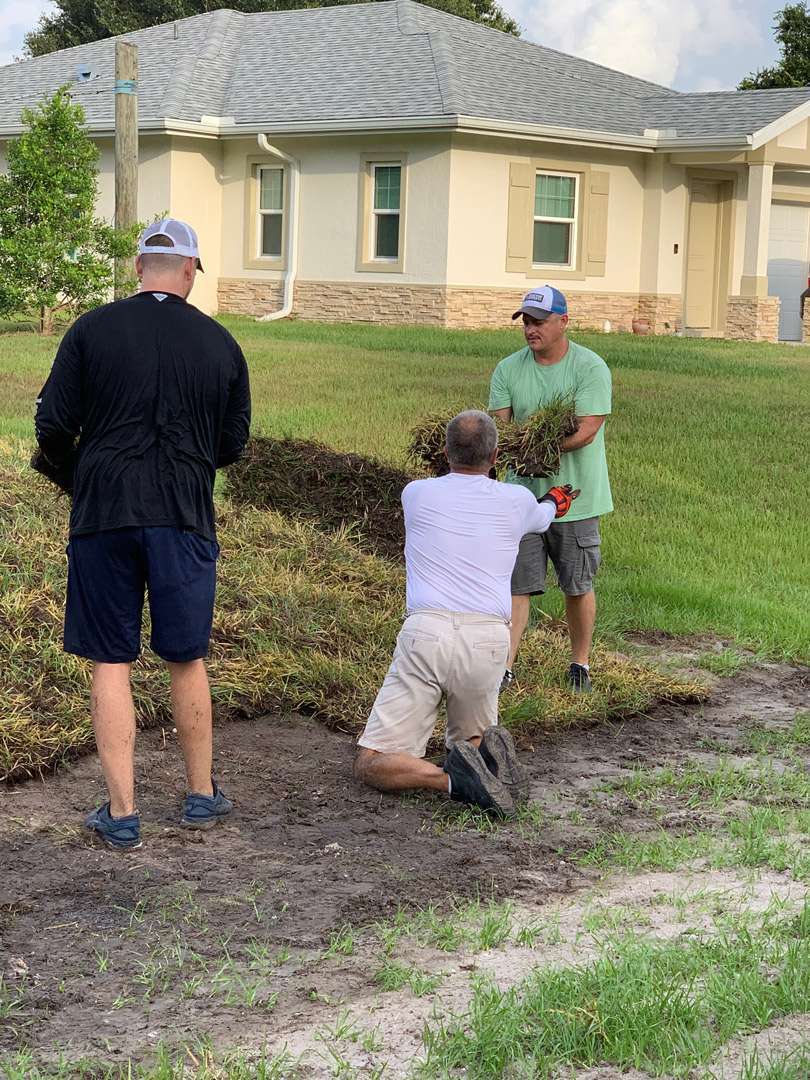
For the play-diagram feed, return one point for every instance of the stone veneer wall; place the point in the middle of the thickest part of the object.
(247, 296)
(480, 307)
(806, 324)
(752, 318)
(439, 305)
(663, 311)
(338, 301)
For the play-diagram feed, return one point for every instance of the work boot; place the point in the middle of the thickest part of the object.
(472, 782)
(500, 757)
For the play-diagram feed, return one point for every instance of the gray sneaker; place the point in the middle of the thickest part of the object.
(579, 679)
(500, 757)
(472, 782)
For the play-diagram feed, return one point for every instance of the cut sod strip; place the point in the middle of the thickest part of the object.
(305, 621)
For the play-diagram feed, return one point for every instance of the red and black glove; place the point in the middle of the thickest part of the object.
(562, 497)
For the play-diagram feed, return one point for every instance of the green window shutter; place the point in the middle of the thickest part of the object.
(596, 239)
(519, 221)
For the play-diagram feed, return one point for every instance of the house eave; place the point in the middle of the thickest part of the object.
(224, 127)
(781, 124)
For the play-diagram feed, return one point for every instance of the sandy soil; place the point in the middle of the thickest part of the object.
(226, 934)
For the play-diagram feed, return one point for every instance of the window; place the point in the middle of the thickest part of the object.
(271, 212)
(555, 219)
(387, 181)
(381, 211)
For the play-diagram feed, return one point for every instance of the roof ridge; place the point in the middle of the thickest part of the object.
(406, 18)
(443, 65)
(688, 94)
(225, 42)
(525, 43)
(183, 71)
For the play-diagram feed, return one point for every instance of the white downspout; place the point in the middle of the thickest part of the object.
(292, 232)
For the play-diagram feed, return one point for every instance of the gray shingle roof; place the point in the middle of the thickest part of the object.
(367, 62)
(732, 112)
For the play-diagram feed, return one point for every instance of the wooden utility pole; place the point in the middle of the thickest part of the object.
(126, 152)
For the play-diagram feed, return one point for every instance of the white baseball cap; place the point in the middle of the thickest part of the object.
(177, 238)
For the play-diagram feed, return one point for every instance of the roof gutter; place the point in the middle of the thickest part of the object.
(211, 127)
(292, 231)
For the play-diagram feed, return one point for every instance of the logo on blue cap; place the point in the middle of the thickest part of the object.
(540, 303)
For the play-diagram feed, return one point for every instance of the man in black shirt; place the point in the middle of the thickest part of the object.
(158, 395)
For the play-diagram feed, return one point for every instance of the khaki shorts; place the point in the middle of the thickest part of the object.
(439, 653)
(574, 550)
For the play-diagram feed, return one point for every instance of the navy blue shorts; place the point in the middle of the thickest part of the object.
(108, 574)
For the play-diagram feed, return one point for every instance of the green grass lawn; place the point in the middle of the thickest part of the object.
(708, 450)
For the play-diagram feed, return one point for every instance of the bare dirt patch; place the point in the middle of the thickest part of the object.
(261, 932)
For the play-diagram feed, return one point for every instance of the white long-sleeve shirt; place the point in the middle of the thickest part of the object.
(462, 533)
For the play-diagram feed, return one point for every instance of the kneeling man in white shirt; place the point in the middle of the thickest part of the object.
(462, 533)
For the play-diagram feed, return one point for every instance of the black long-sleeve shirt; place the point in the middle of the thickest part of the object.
(159, 397)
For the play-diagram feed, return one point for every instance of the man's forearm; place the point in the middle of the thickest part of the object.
(587, 430)
(576, 442)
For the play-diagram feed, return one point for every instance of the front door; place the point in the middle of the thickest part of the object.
(702, 255)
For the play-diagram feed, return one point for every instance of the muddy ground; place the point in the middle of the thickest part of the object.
(238, 935)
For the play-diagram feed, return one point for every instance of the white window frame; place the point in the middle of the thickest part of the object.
(573, 222)
(391, 260)
(261, 214)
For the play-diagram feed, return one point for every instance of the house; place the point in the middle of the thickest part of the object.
(394, 163)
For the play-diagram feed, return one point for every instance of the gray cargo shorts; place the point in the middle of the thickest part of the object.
(572, 546)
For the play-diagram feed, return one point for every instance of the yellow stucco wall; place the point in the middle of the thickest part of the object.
(479, 196)
(330, 183)
(195, 196)
(178, 176)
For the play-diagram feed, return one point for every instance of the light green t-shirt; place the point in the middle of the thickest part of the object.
(523, 385)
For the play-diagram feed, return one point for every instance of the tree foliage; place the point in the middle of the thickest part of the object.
(792, 31)
(55, 255)
(77, 21)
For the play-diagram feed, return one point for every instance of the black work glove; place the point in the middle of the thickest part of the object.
(61, 475)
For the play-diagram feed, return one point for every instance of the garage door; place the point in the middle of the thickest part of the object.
(788, 264)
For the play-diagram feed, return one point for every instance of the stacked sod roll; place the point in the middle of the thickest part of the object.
(530, 448)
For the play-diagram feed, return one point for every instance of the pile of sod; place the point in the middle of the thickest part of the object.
(305, 621)
(530, 448)
(312, 482)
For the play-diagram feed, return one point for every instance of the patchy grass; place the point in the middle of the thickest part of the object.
(768, 740)
(305, 621)
(706, 447)
(662, 1007)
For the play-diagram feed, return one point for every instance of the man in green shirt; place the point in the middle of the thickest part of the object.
(549, 367)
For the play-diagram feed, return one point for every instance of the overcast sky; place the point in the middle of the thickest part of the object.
(686, 44)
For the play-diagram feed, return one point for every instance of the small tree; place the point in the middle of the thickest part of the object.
(55, 255)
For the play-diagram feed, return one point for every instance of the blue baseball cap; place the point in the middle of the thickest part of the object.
(540, 303)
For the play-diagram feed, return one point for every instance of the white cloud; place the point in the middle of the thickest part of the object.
(653, 39)
(17, 17)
